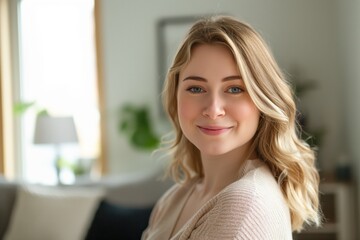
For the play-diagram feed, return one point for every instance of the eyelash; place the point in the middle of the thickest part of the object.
(240, 90)
(196, 90)
(191, 90)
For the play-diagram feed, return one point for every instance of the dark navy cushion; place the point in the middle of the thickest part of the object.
(118, 222)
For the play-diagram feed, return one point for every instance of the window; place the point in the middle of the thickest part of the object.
(58, 72)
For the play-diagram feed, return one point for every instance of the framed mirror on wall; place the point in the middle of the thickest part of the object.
(60, 76)
(170, 31)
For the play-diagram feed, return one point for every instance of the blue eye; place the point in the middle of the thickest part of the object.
(195, 90)
(234, 90)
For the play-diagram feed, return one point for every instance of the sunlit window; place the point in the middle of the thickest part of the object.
(58, 74)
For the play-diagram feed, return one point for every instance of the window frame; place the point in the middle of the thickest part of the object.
(10, 153)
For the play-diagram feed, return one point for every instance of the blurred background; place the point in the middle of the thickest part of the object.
(101, 63)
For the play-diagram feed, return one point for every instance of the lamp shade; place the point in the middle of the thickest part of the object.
(54, 130)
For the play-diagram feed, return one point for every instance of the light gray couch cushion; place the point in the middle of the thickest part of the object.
(43, 212)
(141, 189)
(7, 200)
(142, 193)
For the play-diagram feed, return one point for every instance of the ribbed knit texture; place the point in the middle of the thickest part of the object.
(251, 208)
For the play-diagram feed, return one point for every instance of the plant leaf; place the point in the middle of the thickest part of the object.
(21, 107)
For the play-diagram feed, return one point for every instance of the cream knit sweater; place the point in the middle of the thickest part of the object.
(251, 208)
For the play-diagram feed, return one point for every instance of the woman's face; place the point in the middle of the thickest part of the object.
(215, 111)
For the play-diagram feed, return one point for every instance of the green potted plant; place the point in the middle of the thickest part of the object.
(135, 123)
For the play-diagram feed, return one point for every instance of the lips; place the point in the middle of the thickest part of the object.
(214, 130)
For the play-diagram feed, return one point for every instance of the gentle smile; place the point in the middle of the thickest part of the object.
(213, 130)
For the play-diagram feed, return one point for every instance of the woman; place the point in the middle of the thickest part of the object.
(242, 171)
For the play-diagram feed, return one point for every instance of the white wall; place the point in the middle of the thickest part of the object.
(349, 38)
(301, 34)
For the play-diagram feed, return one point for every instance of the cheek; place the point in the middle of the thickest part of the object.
(186, 108)
(246, 110)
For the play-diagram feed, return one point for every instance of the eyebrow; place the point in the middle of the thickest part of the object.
(201, 79)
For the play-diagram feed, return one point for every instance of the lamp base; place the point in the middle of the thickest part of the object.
(57, 165)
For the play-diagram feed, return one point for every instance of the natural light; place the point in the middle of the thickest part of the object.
(58, 73)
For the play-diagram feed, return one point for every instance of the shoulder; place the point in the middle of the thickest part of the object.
(257, 182)
(256, 190)
(255, 205)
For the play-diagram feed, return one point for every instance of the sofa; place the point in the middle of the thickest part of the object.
(113, 207)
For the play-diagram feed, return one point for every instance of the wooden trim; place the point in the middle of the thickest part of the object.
(103, 164)
(2, 156)
(4, 13)
(8, 39)
(7, 162)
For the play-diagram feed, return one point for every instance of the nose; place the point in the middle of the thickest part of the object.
(214, 107)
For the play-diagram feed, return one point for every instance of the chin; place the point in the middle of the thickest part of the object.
(214, 150)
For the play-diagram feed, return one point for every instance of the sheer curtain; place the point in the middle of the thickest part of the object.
(58, 74)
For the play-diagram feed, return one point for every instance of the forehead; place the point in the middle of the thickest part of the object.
(210, 58)
(216, 50)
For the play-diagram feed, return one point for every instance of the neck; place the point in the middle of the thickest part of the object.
(222, 170)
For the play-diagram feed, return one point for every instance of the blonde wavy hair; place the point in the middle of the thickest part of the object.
(276, 141)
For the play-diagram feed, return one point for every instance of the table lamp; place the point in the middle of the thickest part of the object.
(56, 131)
